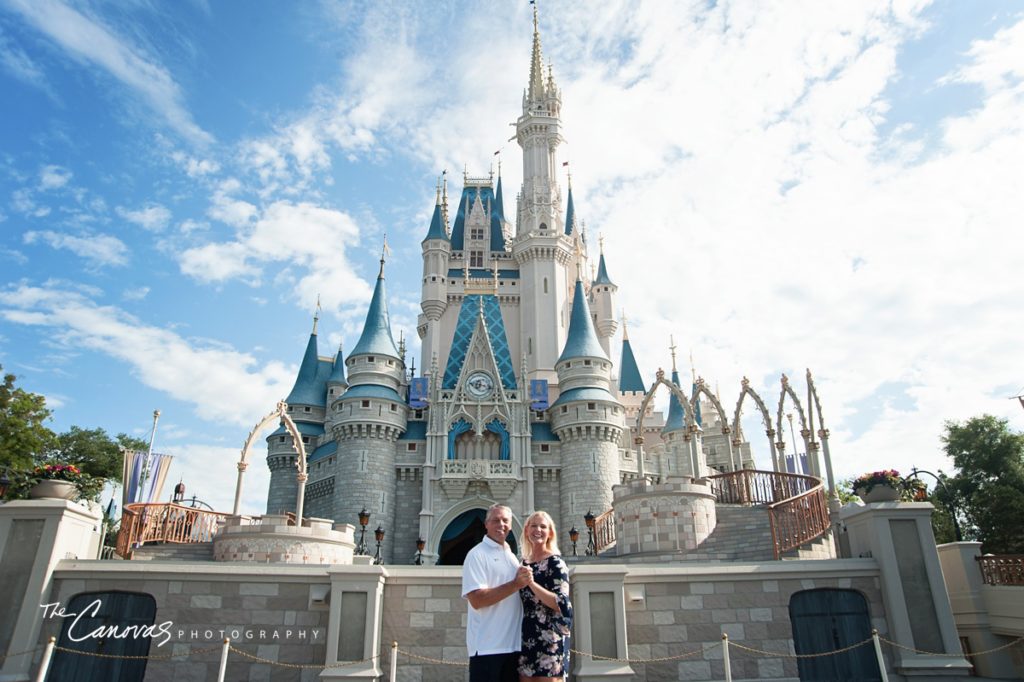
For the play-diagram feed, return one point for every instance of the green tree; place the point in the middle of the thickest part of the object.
(93, 451)
(989, 485)
(23, 431)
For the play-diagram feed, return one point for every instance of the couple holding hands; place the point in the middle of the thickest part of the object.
(520, 615)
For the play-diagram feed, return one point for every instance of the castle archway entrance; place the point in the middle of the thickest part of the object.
(462, 534)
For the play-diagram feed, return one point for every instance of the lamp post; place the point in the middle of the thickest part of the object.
(589, 519)
(420, 544)
(364, 518)
(574, 535)
(952, 501)
(379, 535)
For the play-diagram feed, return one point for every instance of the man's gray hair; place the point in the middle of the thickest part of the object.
(494, 508)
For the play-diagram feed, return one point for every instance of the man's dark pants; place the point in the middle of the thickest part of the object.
(494, 668)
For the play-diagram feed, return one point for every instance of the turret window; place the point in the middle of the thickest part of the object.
(543, 226)
(370, 358)
(394, 408)
(476, 259)
(586, 363)
(365, 403)
(280, 439)
(307, 409)
(591, 406)
(545, 447)
(476, 233)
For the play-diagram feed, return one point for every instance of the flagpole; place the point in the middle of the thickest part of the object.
(149, 455)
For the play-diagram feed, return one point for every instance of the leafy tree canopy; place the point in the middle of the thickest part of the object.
(989, 485)
(24, 435)
(95, 452)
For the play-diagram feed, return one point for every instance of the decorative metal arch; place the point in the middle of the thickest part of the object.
(804, 431)
(723, 418)
(815, 403)
(766, 418)
(280, 414)
(684, 402)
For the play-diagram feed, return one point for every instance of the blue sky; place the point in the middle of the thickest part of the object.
(825, 185)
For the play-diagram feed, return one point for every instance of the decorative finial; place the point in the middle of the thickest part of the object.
(625, 331)
(568, 173)
(672, 349)
(593, 272)
(600, 242)
(693, 370)
(444, 199)
(579, 262)
(437, 196)
(385, 250)
(316, 313)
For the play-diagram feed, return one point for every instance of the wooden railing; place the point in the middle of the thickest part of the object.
(164, 522)
(797, 507)
(1006, 569)
(604, 530)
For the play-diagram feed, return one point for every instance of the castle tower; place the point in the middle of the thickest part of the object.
(586, 419)
(437, 249)
(541, 247)
(336, 385)
(306, 407)
(602, 302)
(684, 451)
(370, 416)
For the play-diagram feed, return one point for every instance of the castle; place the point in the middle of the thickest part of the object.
(521, 403)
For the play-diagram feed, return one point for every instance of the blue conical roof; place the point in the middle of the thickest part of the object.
(582, 341)
(376, 337)
(309, 387)
(499, 200)
(676, 419)
(338, 370)
(437, 227)
(629, 376)
(696, 405)
(570, 214)
(602, 273)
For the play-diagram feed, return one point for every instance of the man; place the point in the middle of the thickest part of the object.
(491, 578)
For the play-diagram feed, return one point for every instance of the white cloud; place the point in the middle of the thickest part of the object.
(53, 177)
(17, 63)
(136, 294)
(220, 382)
(304, 236)
(153, 218)
(87, 40)
(99, 249)
(193, 167)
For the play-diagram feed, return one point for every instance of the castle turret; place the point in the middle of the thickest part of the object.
(306, 407)
(336, 384)
(370, 416)
(437, 250)
(586, 418)
(602, 301)
(684, 451)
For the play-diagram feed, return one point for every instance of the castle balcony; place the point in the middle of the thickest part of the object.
(500, 476)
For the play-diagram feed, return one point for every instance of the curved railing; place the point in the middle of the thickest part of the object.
(604, 530)
(797, 506)
(165, 522)
(1005, 569)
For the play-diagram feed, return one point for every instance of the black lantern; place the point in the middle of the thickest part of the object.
(589, 519)
(574, 536)
(379, 535)
(364, 518)
(420, 544)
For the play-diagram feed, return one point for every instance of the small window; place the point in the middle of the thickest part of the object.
(305, 440)
(545, 285)
(370, 358)
(476, 259)
(280, 439)
(418, 414)
(476, 233)
(411, 447)
(330, 391)
(543, 226)
(591, 406)
(545, 447)
(586, 363)
(433, 278)
(391, 363)
(366, 403)
(307, 409)
(394, 408)
(565, 409)
(538, 414)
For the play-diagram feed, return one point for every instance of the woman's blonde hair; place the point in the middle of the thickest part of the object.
(550, 545)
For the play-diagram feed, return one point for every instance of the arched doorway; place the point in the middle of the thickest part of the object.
(463, 534)
(826, 620)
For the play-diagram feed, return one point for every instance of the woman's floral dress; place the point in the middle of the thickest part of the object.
(546, 632)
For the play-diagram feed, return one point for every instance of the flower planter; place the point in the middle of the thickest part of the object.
(879, 493)
(53, 490)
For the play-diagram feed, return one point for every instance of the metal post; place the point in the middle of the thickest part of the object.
(44, 665)
(878, 655)
(224, 659)
(725, 657)
(394, 661)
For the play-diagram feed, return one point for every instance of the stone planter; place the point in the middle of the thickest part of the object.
(879, 493)
(53, 490)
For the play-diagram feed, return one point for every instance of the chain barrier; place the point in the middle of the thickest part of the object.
(4, 657)
(441, 661)
(973, 654)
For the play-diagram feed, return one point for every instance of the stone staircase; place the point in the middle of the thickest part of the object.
(197, 551)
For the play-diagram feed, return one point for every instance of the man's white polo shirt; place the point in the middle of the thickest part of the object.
(496, 629)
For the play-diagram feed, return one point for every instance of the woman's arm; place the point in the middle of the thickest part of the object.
(546, 597)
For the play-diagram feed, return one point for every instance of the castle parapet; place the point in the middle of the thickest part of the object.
(272, 540)
(675, 516)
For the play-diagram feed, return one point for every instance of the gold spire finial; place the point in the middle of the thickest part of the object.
(385, 250)
(625, 331)
(444, 198)
(600, 242)
(672, 349)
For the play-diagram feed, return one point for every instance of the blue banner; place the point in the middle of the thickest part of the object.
(538, 394)
(418, 389)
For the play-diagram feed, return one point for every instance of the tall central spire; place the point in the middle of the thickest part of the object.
(536, 90)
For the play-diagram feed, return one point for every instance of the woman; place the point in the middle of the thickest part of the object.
(547, 611)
